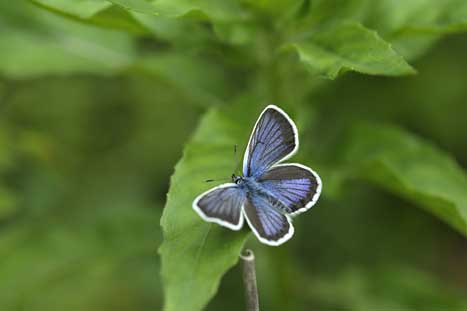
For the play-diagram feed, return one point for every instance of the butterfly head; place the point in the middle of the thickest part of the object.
(237, 179)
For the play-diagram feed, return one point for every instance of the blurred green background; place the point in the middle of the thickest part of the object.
(97, 104)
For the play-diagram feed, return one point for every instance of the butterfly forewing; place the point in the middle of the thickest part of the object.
(222, 205)
(274, 138)
(296, 186)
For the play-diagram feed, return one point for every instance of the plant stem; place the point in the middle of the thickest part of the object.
(249, 280)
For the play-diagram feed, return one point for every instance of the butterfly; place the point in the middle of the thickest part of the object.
(268, 193)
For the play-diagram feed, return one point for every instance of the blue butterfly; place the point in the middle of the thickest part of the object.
(268, 193)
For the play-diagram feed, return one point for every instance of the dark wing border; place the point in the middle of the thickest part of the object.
(317, 194)
(264, 240)
(217, 220)
(294, 128)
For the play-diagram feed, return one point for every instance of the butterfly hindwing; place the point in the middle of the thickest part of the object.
(296, 186)
(266, 220)
(274, 138)
(222, 205)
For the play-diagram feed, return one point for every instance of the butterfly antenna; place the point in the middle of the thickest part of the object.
(217, 179)
(237, 160)
(237, 164)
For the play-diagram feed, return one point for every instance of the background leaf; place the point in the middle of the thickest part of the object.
(140, 6)
(100, 13)
(215, 10)
(413, 168)
(349, 46)
(80, 8)
(27, 51)
(415, 26)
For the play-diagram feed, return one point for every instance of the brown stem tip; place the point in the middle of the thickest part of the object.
(249, 280)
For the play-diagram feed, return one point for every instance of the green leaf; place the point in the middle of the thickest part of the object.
(27, 48)
(80, 8)
(140, 6)
(215, 10)
(349, 46)
(414, 26)
(195, 254)
(413, 168)
(410, 26)
(424, 16)
(29, 56)
(100, 13)
(219, 10)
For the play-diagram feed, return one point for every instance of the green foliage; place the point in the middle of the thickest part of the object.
(408, 166)
(361, 290)
(101, 13)
(413, 26)
(96, 253)
(27, 52)
(8, 202)
(84, 218)
(140, 6)
(98, 99)
(438, 17)
(350, 46)
(215, 10)
(83, 8)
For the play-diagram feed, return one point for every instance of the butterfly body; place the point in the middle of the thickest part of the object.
(252, 187)
(269, 192)
(245, 183)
